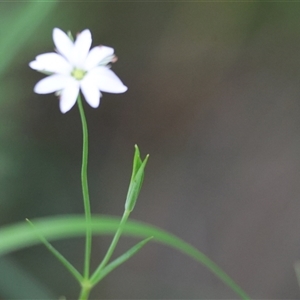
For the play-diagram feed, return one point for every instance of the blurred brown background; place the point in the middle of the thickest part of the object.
(214, 97)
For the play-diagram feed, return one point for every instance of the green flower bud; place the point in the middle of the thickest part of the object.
(136, 180)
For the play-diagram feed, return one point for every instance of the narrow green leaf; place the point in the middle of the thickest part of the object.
(96, 277)
(19, 236)
(58, 255)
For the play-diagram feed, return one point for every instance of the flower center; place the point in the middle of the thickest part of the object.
(78, 74)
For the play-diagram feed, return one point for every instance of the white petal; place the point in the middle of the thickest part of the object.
(82, 46)
(63, 43)
(90, 91)
(96, 55)
(69, 96)
(35, 65)
(51, 62)
(51, 84)
(107, 80)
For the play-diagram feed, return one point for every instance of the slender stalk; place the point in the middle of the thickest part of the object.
(111, 248)
(85, 291)
(85, 191)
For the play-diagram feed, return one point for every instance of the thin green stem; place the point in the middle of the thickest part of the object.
(111, 248)
(85, 290)
(85, 191)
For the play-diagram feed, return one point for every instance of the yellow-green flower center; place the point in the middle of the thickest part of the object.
(78, 74)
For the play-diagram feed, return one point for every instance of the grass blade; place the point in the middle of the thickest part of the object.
(19, 236)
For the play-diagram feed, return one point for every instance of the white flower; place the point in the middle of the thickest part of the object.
(76, 68)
